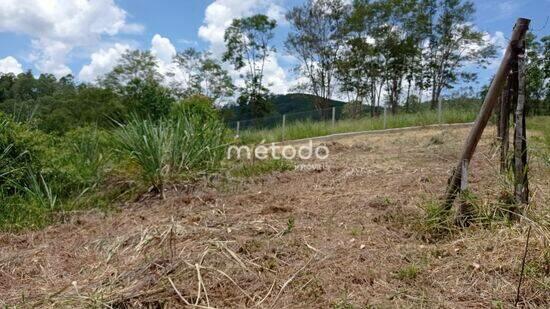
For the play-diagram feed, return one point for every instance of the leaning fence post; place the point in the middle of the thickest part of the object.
(489, 103)
(439, 110)
(333, 116)
(283, 131)
(238, 128)
(385, 115)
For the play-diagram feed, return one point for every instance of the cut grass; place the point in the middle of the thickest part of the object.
(260, 167)
(305, 129)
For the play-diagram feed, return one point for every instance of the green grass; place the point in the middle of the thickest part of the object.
(540, 145)
(409, 272)
(305, 129)
(541, 124)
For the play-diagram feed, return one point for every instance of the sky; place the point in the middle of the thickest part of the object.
(86, 37)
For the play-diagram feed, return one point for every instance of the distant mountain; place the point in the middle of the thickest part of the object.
(282, 104)
(298, 102)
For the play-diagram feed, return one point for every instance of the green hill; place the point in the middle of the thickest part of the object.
(282, 104)
(298, 102)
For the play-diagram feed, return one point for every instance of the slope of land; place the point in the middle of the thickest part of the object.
(346, 232)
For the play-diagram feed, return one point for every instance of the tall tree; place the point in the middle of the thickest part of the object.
(538, 73)
(137, 80)
(249, 44)
(397, 37)
(133, 65)
(204, 76)
(316, 39)
(359, 64)
(453, 42)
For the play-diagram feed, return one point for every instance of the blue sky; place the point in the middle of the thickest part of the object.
(85, 37)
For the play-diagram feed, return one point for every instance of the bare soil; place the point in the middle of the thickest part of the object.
(345, 232)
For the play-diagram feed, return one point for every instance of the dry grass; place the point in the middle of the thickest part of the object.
(350, 232)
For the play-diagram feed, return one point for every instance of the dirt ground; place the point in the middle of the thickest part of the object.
(347, 232)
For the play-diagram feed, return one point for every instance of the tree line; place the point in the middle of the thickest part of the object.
(375, 53)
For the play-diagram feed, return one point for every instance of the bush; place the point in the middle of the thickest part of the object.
(148, 99)
(163, 150)
(198, 105)
(22, 150)
(85, 156)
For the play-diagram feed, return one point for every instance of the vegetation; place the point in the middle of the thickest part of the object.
(170, 148)
(248, 42)
(66, 145)
(307, 128)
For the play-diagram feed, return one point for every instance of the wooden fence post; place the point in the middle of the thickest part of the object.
(489, 103)
(385, 116)
(284, 125)
(503, 125)
(439, 111)
(521, 185)
(333, 116)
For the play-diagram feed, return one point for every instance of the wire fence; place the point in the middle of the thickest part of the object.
(339, 119)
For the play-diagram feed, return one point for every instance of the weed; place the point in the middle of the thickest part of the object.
(289, 226)
(436, 221)
(409, 272)
(356, 231)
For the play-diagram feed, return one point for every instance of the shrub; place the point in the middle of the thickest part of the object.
(86, 156)
(198, 105)
(22, 149)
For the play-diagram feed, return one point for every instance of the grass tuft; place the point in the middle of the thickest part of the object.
(169, 149)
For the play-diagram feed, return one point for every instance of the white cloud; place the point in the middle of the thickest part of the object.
(105, 59)
(102, 62)
(506, 8)
(58, 26)
(218, 17)
(275, 75)
(499, 41)
(10, 65)
(162, 48)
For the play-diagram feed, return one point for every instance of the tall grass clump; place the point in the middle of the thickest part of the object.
(164, 150)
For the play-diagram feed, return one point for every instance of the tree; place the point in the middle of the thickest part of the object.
(358, 66)
(538, 73)
(383, 50)
(453, 42)
(316, 38)
(133, 65)
(148, 99)
(396, 37)
(204, 76)
(248, 43)
(137, 80)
